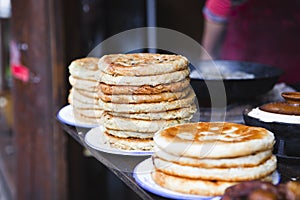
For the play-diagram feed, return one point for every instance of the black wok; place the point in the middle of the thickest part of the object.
(236, 89)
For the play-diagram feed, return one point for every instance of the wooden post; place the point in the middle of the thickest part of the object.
(4, 55)
(40, 143)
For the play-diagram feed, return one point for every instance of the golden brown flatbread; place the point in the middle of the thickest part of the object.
(214, 173)
(138, 125)
(84, 68)
(243, 161)
(214, 140)
(141, 64)
(148, 107)
(144, 89)
(194, 186)
(129, 143)
(179, 113)
(152, 80)
(144, 98)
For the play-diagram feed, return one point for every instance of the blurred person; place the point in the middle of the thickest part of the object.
(256, 31)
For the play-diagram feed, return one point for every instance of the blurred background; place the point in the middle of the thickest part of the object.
(38, 40)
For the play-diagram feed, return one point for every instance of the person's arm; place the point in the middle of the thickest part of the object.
(215, 22)
(213, 37)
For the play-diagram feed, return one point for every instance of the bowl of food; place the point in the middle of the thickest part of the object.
(283, 119)
(240, 81)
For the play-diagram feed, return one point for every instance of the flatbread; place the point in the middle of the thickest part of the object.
(244, 161)
(214, 140)
(84, 67)
(144, 89)
(86, 119)
(143, 80)
(148, 98)
(148, 107)
(180, 113)
(194, 186)
(220, 174)
(129, 134)
(129, 143)
(87, 94)
(191, 186)
(78, 103)
(138, 125)
(83, 84)
(92, 113)
(75, 94)
(141, 64)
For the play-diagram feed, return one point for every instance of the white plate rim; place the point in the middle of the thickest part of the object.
(66, 116)
(145, 180)
(270, 117)
(94, 138)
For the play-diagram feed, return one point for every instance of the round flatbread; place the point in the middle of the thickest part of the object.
(180, 113)
(220, 174)
(140, 98)
(141, 64)
(144, 89)
(76, 94)
(191, 186)
(91, 113)
(144, 80)
(86, 119)
(148, 107)
(214, 140)
(129, 134)
(83, 84)
(129, 143)
(78, 103)
(84, 67)
(88, 94)
(194, 186)
(244, 161)
(138, 125)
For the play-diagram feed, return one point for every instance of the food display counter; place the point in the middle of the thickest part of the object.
(123, 165)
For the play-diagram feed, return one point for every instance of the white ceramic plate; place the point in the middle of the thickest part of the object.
(264, 116)
(95, 139)
(66, 115)
(142, 175)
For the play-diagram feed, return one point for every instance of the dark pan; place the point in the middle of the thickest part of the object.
(237, 90)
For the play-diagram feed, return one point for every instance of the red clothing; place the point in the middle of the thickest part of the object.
(263, 31)
(218, 8)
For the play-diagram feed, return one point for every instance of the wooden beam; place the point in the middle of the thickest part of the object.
(40, 144)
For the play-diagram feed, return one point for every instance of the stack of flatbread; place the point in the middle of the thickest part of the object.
(205, 158)
(83, 94)
(141, 94)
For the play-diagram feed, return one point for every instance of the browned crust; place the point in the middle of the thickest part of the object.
(145, 89)
(190, 186)
(255, 172)
(134, 64)
(83, 118)
(128, 139)
(88, 63)
(147, 98)
(223, 165)
(243, 132)
(129, 143)
(197, 186)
